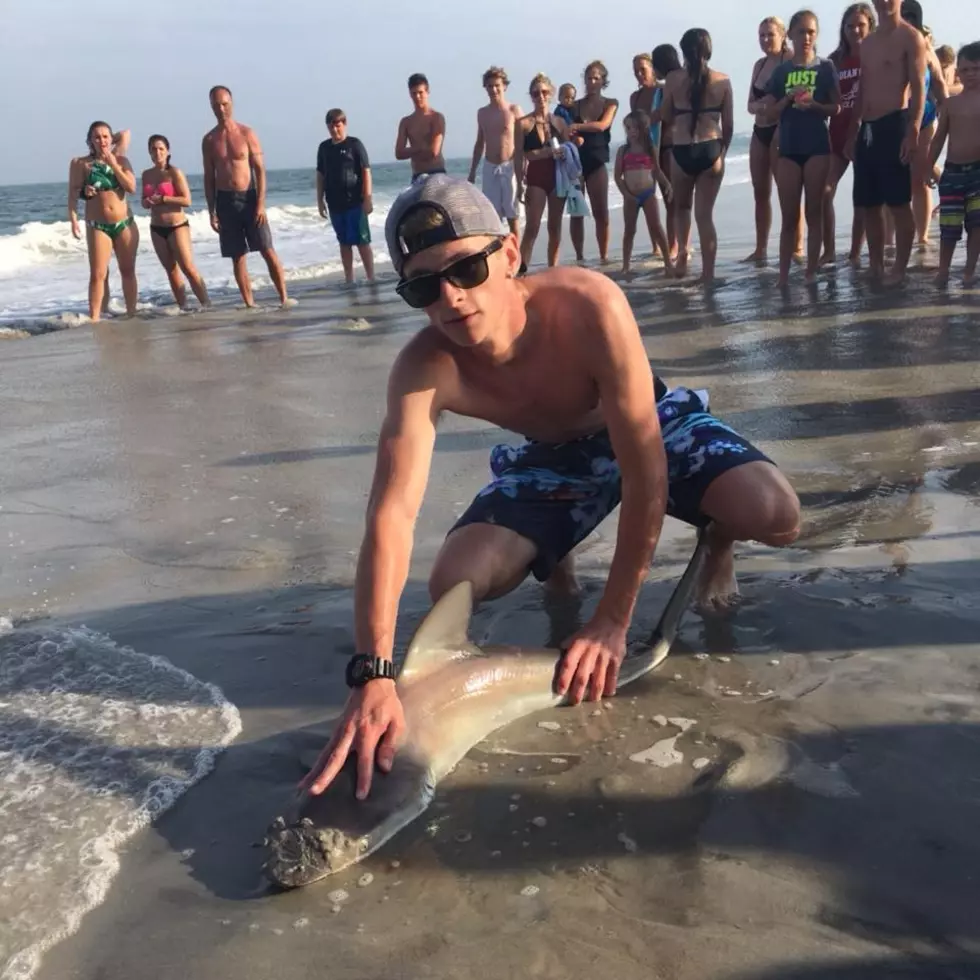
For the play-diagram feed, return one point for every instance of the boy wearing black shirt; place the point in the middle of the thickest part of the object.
(343, 187)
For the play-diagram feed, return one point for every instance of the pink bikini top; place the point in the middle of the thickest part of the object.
(637, 161)
(165, 188)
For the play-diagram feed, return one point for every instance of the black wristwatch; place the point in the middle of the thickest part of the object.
(364, 667)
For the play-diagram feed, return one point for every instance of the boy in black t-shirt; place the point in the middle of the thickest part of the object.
(343, 187)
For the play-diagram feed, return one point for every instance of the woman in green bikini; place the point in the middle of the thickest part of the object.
(103, 180)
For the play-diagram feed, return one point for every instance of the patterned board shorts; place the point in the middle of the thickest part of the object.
(959, 200)
(556, 494)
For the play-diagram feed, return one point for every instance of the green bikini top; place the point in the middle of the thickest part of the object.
(102, 177)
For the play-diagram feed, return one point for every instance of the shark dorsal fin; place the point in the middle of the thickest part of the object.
(442, 636)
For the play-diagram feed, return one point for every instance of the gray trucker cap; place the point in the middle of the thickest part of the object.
(466, 209)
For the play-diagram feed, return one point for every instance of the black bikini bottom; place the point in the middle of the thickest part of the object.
(696, 158)
(165, 231)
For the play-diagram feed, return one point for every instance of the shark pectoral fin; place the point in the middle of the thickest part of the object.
(443, 635)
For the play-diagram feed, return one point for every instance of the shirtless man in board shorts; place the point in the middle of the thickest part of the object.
(885, 131)
(234, 185)
(495, 138)
(421, 135)
(558, 357)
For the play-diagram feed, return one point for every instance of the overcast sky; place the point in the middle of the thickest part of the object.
(148, 66)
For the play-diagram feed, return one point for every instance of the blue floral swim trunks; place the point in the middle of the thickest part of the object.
(556, 494)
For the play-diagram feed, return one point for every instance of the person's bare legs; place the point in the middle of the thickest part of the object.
(576, 231)
(556, 207)
(597, 186)
(240, 267)
(367, 260)
(180, 244)
(658, 237)
(99, 252)
(683, 185)
(816, 193)
(494, 559)
(706, 190)
(760, 166)
(667, 166)
(752, 502)
(874, 225)
(947, 247)
(125, 246)
(535, 201)
(857, 238)
(921, 191)
(347, 261)
(276, 273)
(838, 167)
(169, 262)
(630, 213)
(774, 159)
(904, 237)
(789, 183)
(972, 255)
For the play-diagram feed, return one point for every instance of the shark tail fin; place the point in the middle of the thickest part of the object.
(443, 635)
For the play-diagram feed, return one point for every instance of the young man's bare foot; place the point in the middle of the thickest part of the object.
(810, 276)
(894, 278)
(562, 581)
(942, 279)
(828, 258)
(759, 255)
(783, 282)
(854, 258)
(717, 589)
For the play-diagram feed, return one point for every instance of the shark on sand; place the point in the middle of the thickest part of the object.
(454, 695)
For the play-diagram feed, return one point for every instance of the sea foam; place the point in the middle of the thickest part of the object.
(96, 741)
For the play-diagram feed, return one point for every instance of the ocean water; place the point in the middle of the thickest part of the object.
(96, 740)
(44, 270)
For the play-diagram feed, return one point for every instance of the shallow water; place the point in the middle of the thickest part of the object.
(196, 490)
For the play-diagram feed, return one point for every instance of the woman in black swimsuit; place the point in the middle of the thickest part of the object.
(533, 146)
(698, 109)
(594, 116)
(665, 60)
(764, 148)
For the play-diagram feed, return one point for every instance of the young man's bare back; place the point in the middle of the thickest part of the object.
(421, 135)
(558, 357)
(495, 140)
(885, 132)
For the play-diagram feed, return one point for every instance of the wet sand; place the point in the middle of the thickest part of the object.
(195, 488)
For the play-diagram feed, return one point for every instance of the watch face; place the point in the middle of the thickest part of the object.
(360, 670)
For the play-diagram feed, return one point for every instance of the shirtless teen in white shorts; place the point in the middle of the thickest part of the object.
(495, 139)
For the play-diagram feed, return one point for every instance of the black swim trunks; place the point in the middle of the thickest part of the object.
(556, 494)
(880, 177)
(238, 232)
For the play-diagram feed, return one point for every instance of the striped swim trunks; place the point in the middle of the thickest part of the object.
(959, 200)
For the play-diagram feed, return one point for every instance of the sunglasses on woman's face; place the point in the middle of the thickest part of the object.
(540, 93)
(465, 273)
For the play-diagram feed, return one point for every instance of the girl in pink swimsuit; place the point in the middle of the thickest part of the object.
(165, 195)
(637, 173)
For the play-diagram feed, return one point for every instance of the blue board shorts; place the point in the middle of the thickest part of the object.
(557, 494)
(351, 226)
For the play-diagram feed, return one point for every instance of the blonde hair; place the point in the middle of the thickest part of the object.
(541, 79)
(780, 25)
(643, 56)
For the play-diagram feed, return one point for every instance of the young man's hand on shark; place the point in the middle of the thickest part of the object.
(556, 356)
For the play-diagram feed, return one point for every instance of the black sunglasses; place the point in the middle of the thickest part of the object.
(465, 273)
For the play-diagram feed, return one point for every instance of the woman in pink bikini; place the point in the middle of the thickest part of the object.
(165, 195)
